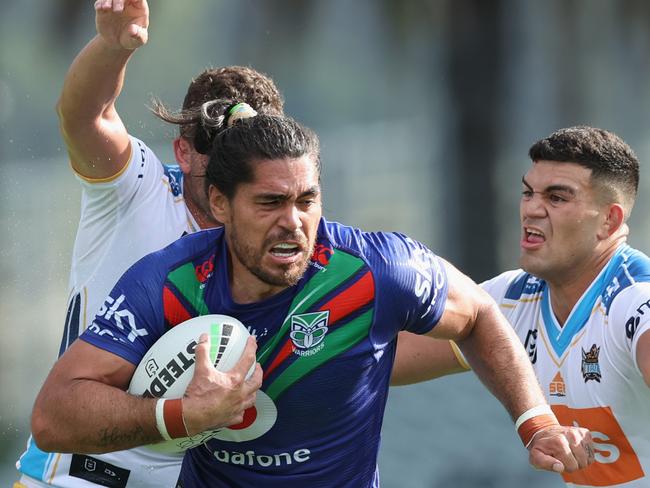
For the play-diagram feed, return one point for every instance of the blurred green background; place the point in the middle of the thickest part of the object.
(425, 109)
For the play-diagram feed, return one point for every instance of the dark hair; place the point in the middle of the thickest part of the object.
(611, 161)
(236, 148)
(231, 82)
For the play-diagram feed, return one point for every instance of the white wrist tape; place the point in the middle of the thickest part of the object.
(160, 419)
(533, 412)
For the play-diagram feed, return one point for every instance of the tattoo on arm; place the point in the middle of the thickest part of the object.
(114, 437)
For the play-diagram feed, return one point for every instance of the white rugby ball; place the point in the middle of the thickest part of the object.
(167, 368)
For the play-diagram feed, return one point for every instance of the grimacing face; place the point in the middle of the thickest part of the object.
(560, 219)
(271, 223)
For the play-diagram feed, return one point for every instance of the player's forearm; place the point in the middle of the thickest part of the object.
(93, 82)
(499, 360)
(91, 417)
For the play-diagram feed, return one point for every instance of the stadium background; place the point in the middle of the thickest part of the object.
(425, 109)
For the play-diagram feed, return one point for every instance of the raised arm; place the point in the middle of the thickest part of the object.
(83, 405)
(94, 134)
(472, 319)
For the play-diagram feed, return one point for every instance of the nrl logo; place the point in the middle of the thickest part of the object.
(590, 366)
(308, 331)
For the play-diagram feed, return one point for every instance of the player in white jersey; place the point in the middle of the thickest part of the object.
(587, 366)
(582, 306)
(132, 205)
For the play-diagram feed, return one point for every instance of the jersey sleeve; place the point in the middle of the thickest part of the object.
(412, 283)
(143, 170)
(498, 286)
(629, 319)
(131, 318)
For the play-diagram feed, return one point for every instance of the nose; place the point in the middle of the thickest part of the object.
(532, 206)
(290, 217)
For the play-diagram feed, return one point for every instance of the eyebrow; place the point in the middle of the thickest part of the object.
(310, 192)
(551, 188)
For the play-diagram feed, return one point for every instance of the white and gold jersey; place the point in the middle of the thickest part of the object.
(587, 367)
(123, 218)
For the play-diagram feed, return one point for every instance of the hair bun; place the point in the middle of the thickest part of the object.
(239, 111)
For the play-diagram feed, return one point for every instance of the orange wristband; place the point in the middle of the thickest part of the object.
(169, 418)
(533, 421)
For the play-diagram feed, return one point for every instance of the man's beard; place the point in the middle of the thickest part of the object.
(252, 261)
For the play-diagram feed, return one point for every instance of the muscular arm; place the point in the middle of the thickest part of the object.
(472, 319)
(82, 407)
(94, 134)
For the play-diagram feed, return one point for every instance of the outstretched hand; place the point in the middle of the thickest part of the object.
(122, 23)
(214, 399)
(562, 449)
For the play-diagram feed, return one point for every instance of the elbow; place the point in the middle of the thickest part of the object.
(44, 431)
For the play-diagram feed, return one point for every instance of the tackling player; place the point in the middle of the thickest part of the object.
(581, 303)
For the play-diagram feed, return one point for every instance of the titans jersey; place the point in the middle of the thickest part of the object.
(587, 367)
(326, 347)
(123, 218)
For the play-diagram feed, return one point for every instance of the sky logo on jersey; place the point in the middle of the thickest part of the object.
(123, 318)
(590, 366)
(557, 387)
(308, 332)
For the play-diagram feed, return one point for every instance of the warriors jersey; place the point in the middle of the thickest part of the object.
(587, 367)
(326, 346)
(123, 218)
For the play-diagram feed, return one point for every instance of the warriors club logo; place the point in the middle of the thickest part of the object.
(590, 366)
(308, 332)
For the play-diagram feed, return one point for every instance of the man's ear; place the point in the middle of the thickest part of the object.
(182, 151)
(219, 205)
(614, 220)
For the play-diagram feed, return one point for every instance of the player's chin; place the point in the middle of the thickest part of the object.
(290, 274)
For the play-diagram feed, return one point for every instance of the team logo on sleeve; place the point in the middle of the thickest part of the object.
(590, 366)
(633, 322)
(308, 332)
(530, 344)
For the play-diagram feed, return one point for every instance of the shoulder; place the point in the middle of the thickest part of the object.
(512, 285)
(630, 310)
(189, 248)
(142, 167)
(400, 265)
(379, 249)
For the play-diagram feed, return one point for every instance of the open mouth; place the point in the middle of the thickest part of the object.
(533, 236)
(285, 250)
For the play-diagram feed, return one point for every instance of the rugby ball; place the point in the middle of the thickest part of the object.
(167, 368)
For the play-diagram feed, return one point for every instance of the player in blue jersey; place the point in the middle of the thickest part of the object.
(580, 302)
(325, 301)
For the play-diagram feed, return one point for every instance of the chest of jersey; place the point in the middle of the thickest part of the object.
(590, 383)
